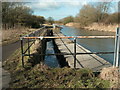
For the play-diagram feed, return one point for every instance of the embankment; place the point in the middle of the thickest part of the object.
(71, 24)
(95, 26)
(12, 35)
(101, 27)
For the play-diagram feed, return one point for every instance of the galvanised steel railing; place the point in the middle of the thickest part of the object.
(116, 50)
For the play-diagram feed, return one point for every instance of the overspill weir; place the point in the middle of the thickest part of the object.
(71, 54)
(93, 61)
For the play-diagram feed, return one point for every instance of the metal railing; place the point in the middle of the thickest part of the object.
(29, 42)
(116, 51)
(117, 48)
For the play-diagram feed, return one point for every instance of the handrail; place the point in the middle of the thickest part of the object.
(116, 51)
(50, 37)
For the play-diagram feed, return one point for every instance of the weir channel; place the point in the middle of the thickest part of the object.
(53, 61)
(53, 46)
(64, 45)
(93, 61)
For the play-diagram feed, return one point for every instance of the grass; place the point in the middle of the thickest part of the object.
(42, 76)
(12, 35)
(37, 77)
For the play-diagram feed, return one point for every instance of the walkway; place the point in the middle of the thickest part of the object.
(91, 61)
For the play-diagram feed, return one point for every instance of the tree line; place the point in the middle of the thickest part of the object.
(91, 13)
(16, 14)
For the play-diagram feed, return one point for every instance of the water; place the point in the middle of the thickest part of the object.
(94, 45)
(51, 60)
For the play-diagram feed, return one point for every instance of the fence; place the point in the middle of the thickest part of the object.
(116, 51)
(29, 42)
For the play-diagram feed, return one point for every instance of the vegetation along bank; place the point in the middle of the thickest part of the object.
(94, 17)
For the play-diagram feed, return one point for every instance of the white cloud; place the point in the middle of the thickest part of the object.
(84, 3)
(53, 4)
(77, 3)
(59, 0)
(44, 5)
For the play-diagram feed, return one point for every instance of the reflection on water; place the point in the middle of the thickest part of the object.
(94, 45)
(51, 60)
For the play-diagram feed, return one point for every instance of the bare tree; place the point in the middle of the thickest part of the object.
(95, 12)
(101, 9)
(87, 15)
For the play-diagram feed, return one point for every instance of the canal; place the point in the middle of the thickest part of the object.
(51, 60)
(94, 45)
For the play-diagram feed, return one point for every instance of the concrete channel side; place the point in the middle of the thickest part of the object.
(91, 61)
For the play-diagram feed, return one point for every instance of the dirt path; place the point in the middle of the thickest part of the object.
(4, 78)
(7, 50)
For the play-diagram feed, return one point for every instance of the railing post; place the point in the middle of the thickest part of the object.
(116, 50)
(34, 36)
(75, 52)
(22, 52)
(28, 47)
(42, 56)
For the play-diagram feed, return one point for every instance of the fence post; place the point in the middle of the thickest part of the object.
(75, 52)
(22, 52)
(117, 46)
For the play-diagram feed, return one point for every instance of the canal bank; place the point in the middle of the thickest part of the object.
(8, 52)
(95, 27)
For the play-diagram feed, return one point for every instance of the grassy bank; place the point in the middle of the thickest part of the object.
(102, 27)
(13, 35)
(38, 75)
(95, 26)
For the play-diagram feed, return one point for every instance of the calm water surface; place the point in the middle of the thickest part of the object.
(94, 45)
(51, 60)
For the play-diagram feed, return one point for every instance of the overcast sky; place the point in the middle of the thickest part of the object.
(59, 9)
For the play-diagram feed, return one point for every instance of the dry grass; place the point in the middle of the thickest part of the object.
(95, 26)
(12, 35)
(111, 74)
(76, 25)
(102, 27)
